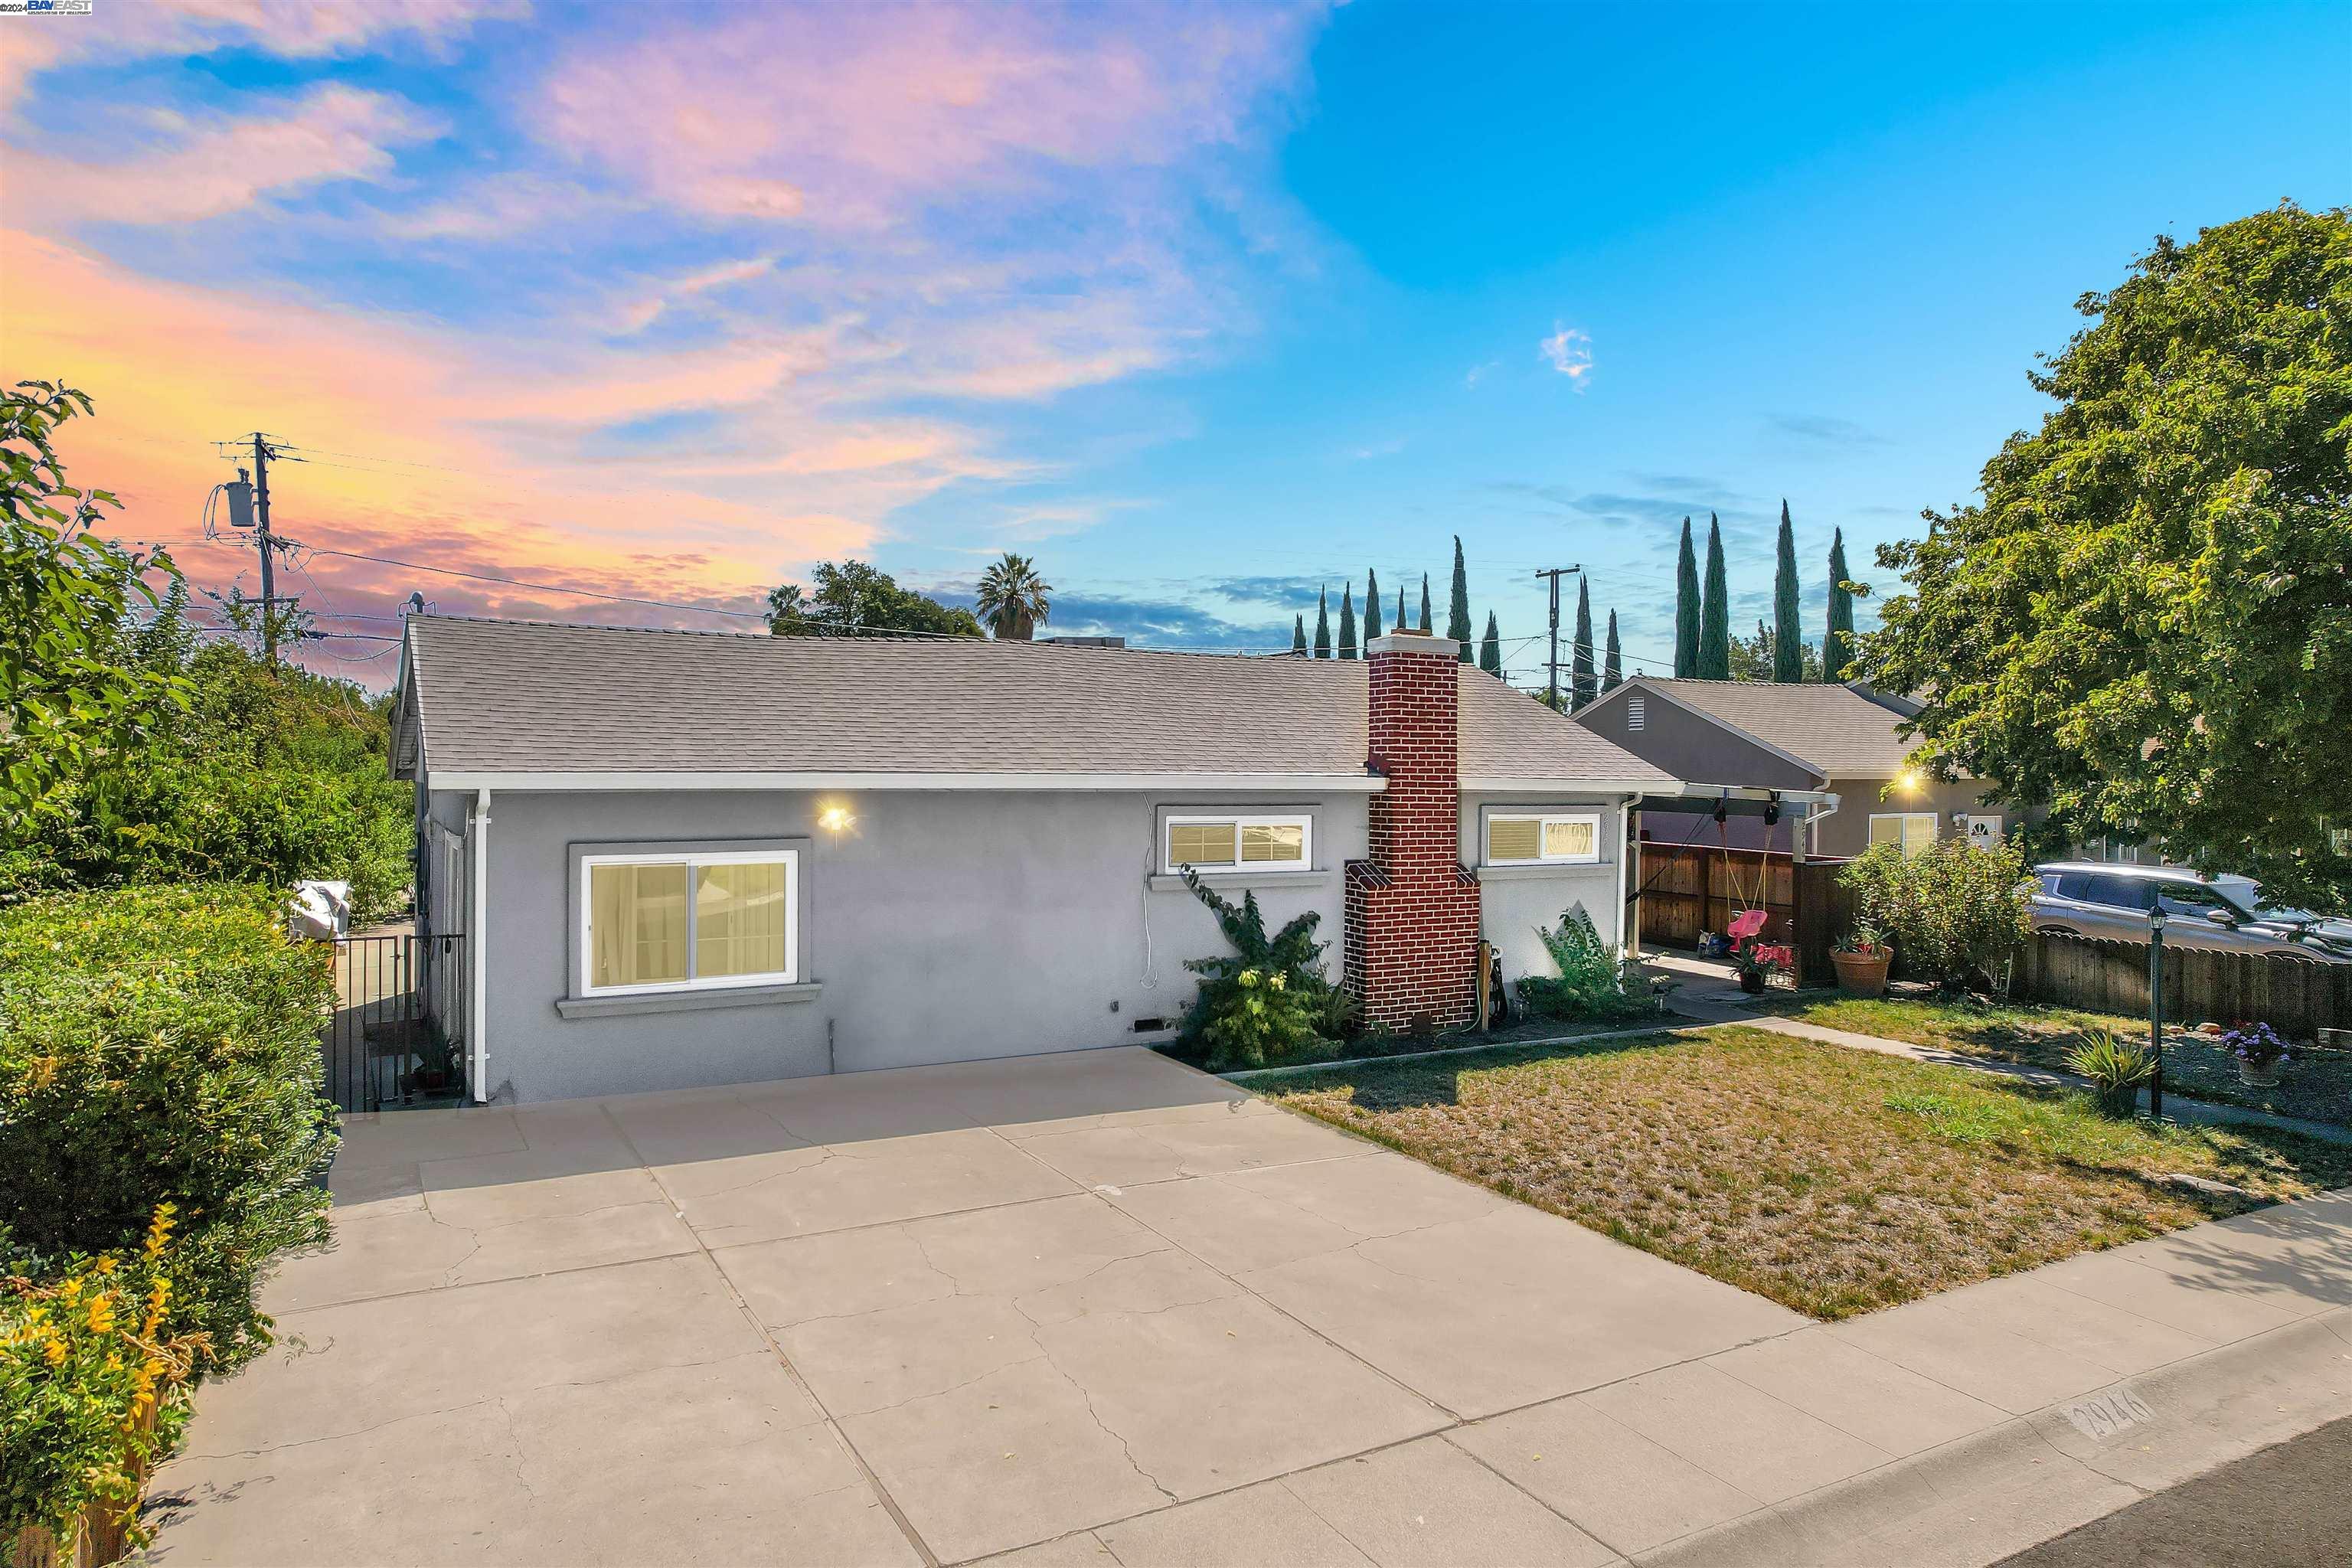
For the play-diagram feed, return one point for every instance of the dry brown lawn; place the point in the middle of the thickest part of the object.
(1833, 1181)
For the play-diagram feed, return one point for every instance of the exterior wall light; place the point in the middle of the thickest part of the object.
(835, 819)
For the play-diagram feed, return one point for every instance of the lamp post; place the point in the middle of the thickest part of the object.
(2156, 1011)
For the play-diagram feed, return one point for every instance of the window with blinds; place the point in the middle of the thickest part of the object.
(1238, 844)
(1567, 838)
(1915, 830)
(660, 922)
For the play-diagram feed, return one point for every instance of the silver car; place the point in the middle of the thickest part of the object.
(2086, 897)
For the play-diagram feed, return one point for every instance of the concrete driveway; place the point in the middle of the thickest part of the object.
(938, 1313)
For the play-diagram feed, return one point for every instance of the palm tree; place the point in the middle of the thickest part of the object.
(1013, 598)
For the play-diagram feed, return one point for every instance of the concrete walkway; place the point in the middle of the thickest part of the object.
(1101, 1309)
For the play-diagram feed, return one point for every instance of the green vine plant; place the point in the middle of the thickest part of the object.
(1272, 988)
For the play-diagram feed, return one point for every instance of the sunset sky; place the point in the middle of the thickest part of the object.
(1202, 307)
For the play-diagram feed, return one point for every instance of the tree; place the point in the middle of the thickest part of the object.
(1758, 658)
(1458, 607)
(1612, 672)
(76, 716)
(1837, 646)
(1348, 621)
(1686, 609)
(1714, 611)
(1372, 607)
(1581, 686)
(1323, 624)
(1788, 630)
(1298, 636)
(1425, 602)
(852, 597)
(2144, 628)
(1014, 599)
(1490, 651)
(1401, 623)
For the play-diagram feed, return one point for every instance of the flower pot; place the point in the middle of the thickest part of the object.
(1752, 982)
(1864, 974)
(2259, 1075)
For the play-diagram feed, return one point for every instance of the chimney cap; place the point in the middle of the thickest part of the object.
(1414, 642)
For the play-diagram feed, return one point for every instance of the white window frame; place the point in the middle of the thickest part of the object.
(1935, 829)
(1300, 820)
(788, 975)
(1543, 821)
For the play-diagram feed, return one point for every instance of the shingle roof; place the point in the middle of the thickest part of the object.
(1838, 731)
(510, 697)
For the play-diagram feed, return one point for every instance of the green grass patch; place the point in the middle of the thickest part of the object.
(1830, 1179)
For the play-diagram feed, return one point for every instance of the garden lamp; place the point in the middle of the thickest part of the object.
(2156, 1010)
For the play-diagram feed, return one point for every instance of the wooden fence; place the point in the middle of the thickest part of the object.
(2297, 996)
(1687, 889)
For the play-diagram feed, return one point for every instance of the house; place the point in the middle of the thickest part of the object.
(1837, 738)
(671, 859)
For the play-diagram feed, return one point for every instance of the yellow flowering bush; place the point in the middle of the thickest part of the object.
(92, 1388)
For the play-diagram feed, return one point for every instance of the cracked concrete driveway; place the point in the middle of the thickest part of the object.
(924, 1315)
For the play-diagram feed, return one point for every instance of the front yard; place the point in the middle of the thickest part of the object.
(2317, 1084)
(1833, 1181)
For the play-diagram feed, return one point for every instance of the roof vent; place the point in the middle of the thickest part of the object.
(1637, 712)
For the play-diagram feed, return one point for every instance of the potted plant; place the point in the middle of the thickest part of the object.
(1759, 962)
(2116, 1068)
(436, 1064)
(2260, 1052)
(1864, 958)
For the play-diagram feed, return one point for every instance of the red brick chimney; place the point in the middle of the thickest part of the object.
(1413, 910)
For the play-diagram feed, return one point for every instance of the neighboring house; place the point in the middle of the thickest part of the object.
(680, 859)
(1841, 740)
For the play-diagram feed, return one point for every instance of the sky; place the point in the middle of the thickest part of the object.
(1205, 309)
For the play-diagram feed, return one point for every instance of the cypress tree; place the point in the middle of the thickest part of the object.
(1837, 648)
(1612, 672)
(1686, 610)
(1425, 602)
(1323, 624)
(1372, 607)
(1401, 623)
(1490, 652)
(1788, 629)
(1458, 607)
(1348, 621)
(1581, 688)
(1714, 611)
(1298, 636)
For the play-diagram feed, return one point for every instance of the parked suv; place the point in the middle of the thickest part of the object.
(2087, 899)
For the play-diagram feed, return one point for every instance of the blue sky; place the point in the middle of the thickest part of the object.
(1202, 308)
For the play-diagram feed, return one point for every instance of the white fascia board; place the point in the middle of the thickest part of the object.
(1362, 784)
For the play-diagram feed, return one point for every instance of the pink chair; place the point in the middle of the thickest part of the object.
(1746, 926)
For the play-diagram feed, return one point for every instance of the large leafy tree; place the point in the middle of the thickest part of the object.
(1583, 686)
(1837, 647)
(77, 718)
(1714, 611)
(1348, 621)
(1788, 629)
(853, 597)
(1015, 601)
(2146, 625)
(1457, 607)
(1758, 657)
(1686, 609)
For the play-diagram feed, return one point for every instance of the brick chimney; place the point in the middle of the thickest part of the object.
(1413, 910)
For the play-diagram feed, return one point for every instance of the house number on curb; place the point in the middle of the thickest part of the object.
(2109, 1414)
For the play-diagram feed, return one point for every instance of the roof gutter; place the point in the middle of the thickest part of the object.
(1362, 784)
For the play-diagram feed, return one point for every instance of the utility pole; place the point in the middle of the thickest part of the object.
(1551, 690)
(261, 455)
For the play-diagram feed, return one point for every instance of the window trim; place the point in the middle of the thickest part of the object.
(1303, 821)
(1935, 828)
(1543, 820)
(789, 857)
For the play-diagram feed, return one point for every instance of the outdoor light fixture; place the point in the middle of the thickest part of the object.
(835, 819)
(2156, 1011)
(1906, 781)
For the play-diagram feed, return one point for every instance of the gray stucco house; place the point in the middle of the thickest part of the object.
(680, 859)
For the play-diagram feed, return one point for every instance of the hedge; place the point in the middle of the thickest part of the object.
(158, 1061)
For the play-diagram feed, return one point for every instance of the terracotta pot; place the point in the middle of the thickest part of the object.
(1864, 974)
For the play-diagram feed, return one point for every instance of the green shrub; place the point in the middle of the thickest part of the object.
(2116, 1068)
(161, 1045)
(1591, 982)
(1953, 911)
(1288, 966)
(1262, 1020)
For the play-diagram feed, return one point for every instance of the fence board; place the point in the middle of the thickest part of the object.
(2297, 997)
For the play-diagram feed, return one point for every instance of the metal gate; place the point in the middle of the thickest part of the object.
(398, 1034)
